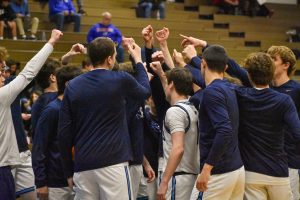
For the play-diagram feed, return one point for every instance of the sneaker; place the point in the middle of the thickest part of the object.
(23, 37)
(32, 37)
(15, 38)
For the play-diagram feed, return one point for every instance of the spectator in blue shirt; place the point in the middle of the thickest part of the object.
(20, 7)
(61, 11)
(106, 29)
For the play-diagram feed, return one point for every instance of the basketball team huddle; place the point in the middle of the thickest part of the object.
(163, 126)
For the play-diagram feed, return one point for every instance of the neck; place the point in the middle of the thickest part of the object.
(211, 76)
(101, 67)
(51, 88)
(61, 97)
(280, 79)
(261, 86)
(176, 97)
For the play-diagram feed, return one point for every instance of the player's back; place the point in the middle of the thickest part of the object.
(261, 130)
(97, 103)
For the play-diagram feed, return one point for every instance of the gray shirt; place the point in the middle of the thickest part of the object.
(9, 153)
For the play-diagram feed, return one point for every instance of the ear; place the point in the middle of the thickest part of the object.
(286, 65)
(226, 67)
(110, 61)
(52, 78)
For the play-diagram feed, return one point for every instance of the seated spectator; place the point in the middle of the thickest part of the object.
(7, 17)
(160, 6)
(227, 6)
(63, 11)
(145, 7)
(20, 7)
(14, 66)
(106, 29)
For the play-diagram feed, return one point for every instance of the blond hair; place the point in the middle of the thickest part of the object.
(286, 55)
(3, 54)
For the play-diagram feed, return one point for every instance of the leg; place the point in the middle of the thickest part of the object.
(151, 190)
(7, 184)
(239, 189)
(120, 54)
(20, 26)
(253, 191)
(222, 186)
(76, 18)
(59, 20)
(2, 25)
(12, 25)
(34, 25)
(161, 8)
(294, 183)
(279, 192)
(86, 186)
(24, 178)
(148, 8)
(143, 189)
(115, 182)
(136, 173)
(64, 193)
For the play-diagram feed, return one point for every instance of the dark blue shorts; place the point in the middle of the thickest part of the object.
(7, 184)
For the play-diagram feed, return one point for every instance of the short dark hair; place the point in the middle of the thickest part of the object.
(100, 49)
(85, 62)
(182, 79)
(216, 58)
(42, 79)
(65, 74)
(260, 67)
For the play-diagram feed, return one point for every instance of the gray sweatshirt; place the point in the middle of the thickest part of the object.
(9, 153)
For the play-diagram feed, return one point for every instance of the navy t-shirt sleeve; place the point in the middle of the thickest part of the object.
(236, 71)
(217, 111)
(291, 119)
(46, 126)
(197, 77)
(196, 62)
(133, 89)
(66, 135)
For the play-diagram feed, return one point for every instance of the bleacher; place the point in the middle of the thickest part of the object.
(240, 35)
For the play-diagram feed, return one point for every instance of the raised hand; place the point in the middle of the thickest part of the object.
(156, 67)
(178, 58)
(162, 35)
(135, 51)
(188, 40)
(147, 33)
(55, 36)
(158, 56)
(126, 42)
(189, 52)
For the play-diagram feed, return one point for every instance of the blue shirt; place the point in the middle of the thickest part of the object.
(263, 116)
(58, 6)
(38, 107)
(20, 8)
(100, 30)
(46, 158)
(219, 123)
(291, 88)
(93, 119)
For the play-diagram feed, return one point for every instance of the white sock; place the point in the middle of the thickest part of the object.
(15, 38)
(1, 38)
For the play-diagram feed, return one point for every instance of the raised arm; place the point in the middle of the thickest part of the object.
(76, 49)
(162, 37)
(10, 91)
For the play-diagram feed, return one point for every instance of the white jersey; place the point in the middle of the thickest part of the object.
(9, 152)
(183, 117)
